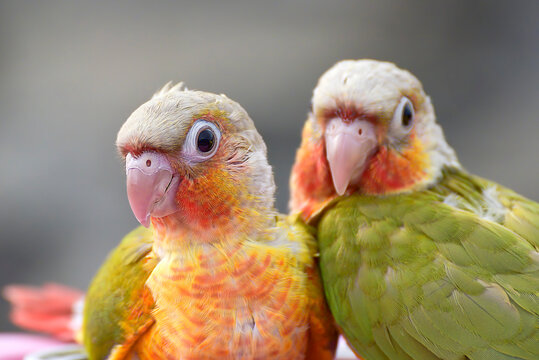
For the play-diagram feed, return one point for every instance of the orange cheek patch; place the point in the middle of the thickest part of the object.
(389, 171)
(311, 178)
(314, 170)
(209, 201)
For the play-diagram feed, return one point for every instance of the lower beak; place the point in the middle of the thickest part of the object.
(348, 146)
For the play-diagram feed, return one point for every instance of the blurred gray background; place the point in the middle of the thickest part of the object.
(72, 72)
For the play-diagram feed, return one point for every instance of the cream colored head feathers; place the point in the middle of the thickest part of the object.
(162, 124)
(375, 88)
(164, 119)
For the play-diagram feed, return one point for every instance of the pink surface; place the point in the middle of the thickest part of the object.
(14, 346)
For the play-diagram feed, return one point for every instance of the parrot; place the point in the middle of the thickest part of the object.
(419, 258)
(214, 271)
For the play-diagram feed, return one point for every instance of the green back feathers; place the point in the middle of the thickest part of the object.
(442, 273)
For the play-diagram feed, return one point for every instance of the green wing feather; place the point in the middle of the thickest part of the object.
(446, 273)
(118, 304)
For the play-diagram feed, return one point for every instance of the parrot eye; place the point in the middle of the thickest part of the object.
(407, 114)
(403, 118)
(202, 141)
(205, 140)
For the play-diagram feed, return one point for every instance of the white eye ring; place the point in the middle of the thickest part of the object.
(190, 148)
(403, 118)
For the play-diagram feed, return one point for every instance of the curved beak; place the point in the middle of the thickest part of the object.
(151, 186)
(348, 146)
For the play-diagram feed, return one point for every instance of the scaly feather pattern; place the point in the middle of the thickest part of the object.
(423, 279)
(239, 298)
(419, 259)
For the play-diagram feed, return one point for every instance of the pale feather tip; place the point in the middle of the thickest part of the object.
(170, 88)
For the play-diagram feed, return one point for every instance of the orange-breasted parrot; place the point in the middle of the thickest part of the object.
(214, 272)
(419, 258)
(218, 274)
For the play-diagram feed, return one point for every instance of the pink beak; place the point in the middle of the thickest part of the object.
(151, 186)
(348, 146)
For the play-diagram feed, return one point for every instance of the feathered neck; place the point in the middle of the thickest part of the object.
(177, 231)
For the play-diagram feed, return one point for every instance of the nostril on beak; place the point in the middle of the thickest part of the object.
(360, 131)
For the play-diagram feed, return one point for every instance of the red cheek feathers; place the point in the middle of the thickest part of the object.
(389, 171)
(209, 201)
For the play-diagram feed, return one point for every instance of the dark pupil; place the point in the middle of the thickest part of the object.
(205, 140)
(407, 115)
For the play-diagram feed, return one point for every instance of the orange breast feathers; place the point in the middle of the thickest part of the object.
(228, 301)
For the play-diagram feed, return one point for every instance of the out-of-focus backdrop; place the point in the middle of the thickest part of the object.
(72, 72)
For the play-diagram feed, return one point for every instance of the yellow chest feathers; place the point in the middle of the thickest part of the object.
(240, 301)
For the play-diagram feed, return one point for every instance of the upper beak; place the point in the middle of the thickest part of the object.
(151, 186)
(348, 146)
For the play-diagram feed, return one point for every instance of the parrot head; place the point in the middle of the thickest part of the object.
(195, 160)
(372, 130)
